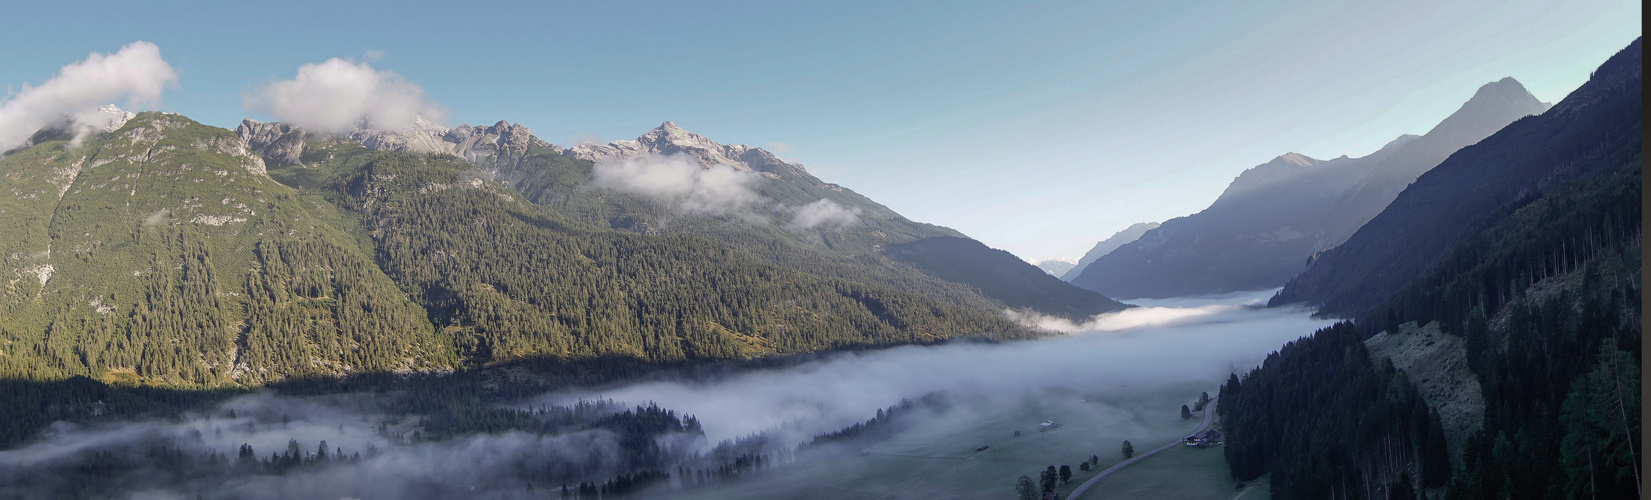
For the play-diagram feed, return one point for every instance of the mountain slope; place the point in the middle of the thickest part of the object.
(514, 281)
(1106, 246)
(1018, 284)
(162, 253)
(1537, 292)
(743, 197)
(1593, 131)
(1275, 216)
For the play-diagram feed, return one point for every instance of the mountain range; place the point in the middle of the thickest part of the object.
(1274, 217)
(162, 251)
(1588, 137)
(1507, 284)
(744, 197)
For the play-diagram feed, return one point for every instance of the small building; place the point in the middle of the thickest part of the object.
(1208, 438)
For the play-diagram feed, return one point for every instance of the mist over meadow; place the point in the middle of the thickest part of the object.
(1162, 343)
(1176, 343)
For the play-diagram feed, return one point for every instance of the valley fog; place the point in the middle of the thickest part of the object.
(1174, 346)
(1163, 343)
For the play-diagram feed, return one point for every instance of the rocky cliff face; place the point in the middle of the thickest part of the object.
(669, 138)
(480, 145)
(278, 143)
(501, 141)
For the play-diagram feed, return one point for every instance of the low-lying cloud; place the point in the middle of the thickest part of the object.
(1151, 312)
(339, 94)
(387, 467)
(1171, 344)
(825, 213)
(679, 180)
(1179, 345)
(135, 74)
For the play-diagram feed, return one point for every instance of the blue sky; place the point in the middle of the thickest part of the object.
(1038, 128)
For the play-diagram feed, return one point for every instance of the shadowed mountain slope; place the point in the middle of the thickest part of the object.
(1264, 228)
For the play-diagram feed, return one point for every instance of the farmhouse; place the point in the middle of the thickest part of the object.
(1210, 437)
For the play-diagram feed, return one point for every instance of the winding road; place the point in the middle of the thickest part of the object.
(1209, 415)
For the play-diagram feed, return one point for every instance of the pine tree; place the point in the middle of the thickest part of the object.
(1026, 489)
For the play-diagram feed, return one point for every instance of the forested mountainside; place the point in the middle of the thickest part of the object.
(163, 253)
(768, 209)
(1592, 133)
(1543, 283)
(510, 280)
(1366, 431)
(1276, 216)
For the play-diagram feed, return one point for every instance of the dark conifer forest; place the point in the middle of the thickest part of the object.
(1543, 284)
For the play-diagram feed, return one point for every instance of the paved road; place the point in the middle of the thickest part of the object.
(1209, 414)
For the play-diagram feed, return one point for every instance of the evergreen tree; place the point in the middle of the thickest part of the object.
(1049, 479)
(1025, 489)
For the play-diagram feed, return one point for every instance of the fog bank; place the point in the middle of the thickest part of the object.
(1163, 343)
(1179, 345)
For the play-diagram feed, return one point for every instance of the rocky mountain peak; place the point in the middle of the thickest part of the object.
(284, 143)
(1494, 105)
(423, 136)
(1259, 177)
(1400, 141)
(107, 118)
(1296, 159)
(670, 138)
(505, 141)
(278, 143)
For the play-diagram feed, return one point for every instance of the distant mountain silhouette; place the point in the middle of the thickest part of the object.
(1106, 246)
(1593, 133)
(1276, 216)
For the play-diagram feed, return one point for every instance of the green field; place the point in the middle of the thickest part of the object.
(1179, 473)
(936, 458)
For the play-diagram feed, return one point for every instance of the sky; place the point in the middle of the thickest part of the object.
(1036, 127)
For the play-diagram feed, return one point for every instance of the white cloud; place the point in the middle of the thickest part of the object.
(1150, 313)
(135, 73)
(678, 179)
(825, 212)
(338, 94)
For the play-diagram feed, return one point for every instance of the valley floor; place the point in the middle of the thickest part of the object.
(937, 459)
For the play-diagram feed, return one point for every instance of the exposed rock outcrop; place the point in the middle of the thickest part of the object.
(669, 138)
